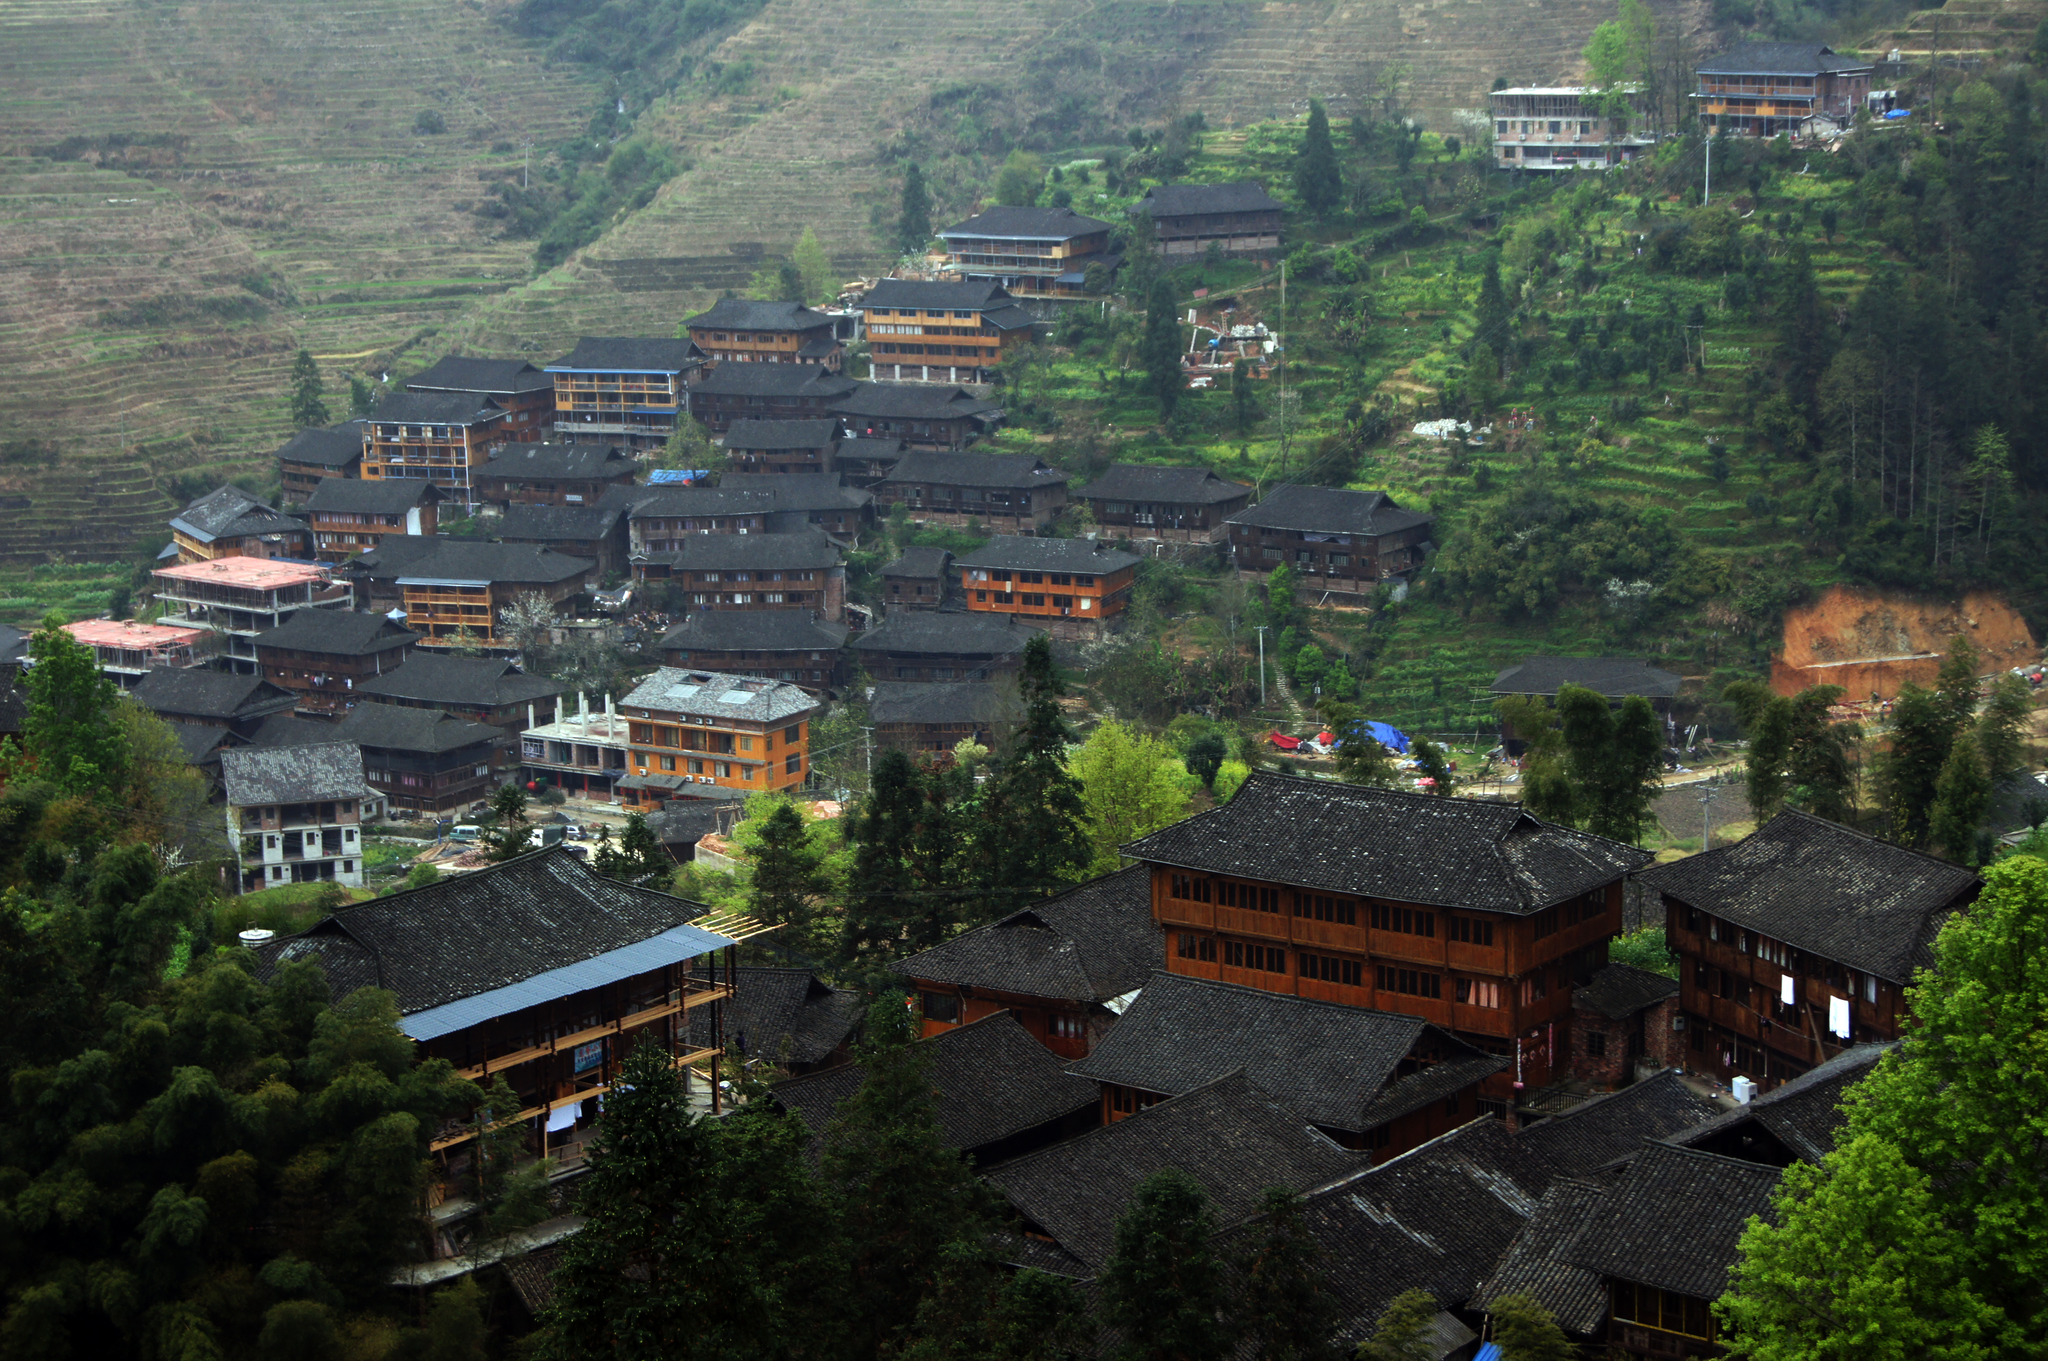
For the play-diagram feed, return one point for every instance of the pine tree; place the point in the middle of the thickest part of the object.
(914, 216)
(883, 898)
(1962, 795)
(1159, 350)
(2001, 728)
(308, 410)
(1921, 734)
(785, 869)
(1525, 1331)
(1490, 318)
(638, 857)
(1406, 1331)
(977, 1309)
(1317, 180)
(1360, 757)
(1038, 825)
(68, 738)
(1284, 1302)
(1163, 1286)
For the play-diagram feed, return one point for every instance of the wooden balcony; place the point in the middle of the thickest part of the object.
(696, 995)
(582, 1092)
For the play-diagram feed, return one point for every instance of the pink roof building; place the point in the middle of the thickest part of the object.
(128, 651)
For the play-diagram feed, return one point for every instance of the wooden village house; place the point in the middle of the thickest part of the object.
(1014, 493)
(230, 523)
(747, 331)
(437, 437)
(349, 517)
(1039, 252)
(782, 446)
(311, 456)
(1073, 586)
(525, 394)
(942, 332)
(1188, 220)
(1179, 505)
(793, 645)
(554, 474)
(1339, 543)
(321, 656)
(767, 392)
(694, 734)
(937, 645)
(752, 572)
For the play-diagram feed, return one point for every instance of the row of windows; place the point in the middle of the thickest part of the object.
(1239, 954)
(1406, 920)
(912, 311)
(1028, 578)
(1590, 907)
(1032, 600)
(1325, 907)
(963, 351)
(747, 598)
(1792, 961)
(1474, 992)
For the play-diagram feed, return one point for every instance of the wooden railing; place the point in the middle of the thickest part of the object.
(696, 995)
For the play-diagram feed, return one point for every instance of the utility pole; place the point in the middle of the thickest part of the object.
(1283, 378)
(1707, 194)
(1707, 815)
(1262, 664)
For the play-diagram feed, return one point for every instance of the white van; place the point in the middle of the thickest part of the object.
(465, 831)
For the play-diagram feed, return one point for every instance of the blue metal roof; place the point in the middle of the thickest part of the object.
(673, 946)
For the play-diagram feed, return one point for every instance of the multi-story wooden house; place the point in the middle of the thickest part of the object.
(1560, 127)
(931, 720)
(127, 651)
(1763, 89)
(918, 580)
(753, 572)
(745, 331)
(945, 332)
(422, 761)
(597, 532)
(867, 459)
(311, 456)
(295, 813)
(212, 699)
(936, 645)
(787, 645)
(240, 598)
(1182, 505)
(538, 970)
(715, 733)
(321, 656)
(456, 595)
(1020, 493)
(230, 523)
(782, 446)
(348, 518)
(628, 390)
(1065, 583)
(922, 415)
(486, 689)
(1374, 1081)
(1031, 251)
(1477, 917)
(662, 519)
(554, 474)
(438, 437)
(1240, 218)
(1065, 967)
(1339, 542)
(1798, 941)
(767, 392)
(820, 501)
(526, 394)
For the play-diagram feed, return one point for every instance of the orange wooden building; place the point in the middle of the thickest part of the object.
(696, 733)
(1051, 579)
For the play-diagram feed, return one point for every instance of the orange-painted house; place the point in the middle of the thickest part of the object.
(1064, 582)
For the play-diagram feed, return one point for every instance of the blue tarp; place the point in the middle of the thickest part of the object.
(666, 476)
(1900, 113)
(1488, 1351)
(1390, 737)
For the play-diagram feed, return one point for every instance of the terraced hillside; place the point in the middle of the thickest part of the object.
(1963, 28)
(190, 192)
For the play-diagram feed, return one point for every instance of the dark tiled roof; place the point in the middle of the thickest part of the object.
(1052, 224)
(941, 296)
(755, 631)
(1011, 318)
(870, 446)
(465, 373)
(201, 744)
(398, 727)
(289, 730)
(1622, 990)
(336, 446)
(1675, 1220)
(296, 774)
(802, 491)
(1093, 943)
(1229, 1137)
(377, 495)
(781, 1015)
(781, 434)
(913, 402)
(747, 314)
(937, 634)
(1174, 486)
(1779, 59)
(557, 524)
(231, 513)
(743, 552)
(533, 1276)
(942, 702)
(1330, 510)
(459, 682)
(787, 381)
(1049, 555)
(1801, 1116)
(682, 690)
(628, 354)
(476, 560)
(663, 502)
(684, 822)
(434, 408)
(1538, 1263)
(1615, 677)
(975, 470)
(1826, 890)
(340, 633)
(210, 694)
(991, 1081)
(474, 933)
(558, 462)
(1594, 1134)
(1389, 844)
(919, 562)
(1180, 200)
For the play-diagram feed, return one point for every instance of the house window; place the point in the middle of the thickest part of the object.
(1406, 920)
(1188, 887)
(667, 762)
(1061, 1027)
(1200, 948)
(1476, 992)
(1410, 982)
(1239, 954)
(1471, 930)
(1332, 969)
(1596, 1044)
(1324, 908)
(724, 771)
(1665, 1310)
(942, 1007)
(793, 765)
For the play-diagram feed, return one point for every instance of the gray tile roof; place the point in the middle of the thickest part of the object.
(1092, 556)
(755, 631)
(1824, 889)
(748, 314)
(558, 462)
(1043, 224)
(973, 295)
(664, 502)
(1538, 1263)
(1596, 1133)
(340, 633)
(308, 773)
(990, 1079)
(1003, 471)
(335, 446)
(1800, 1117)
(289, 730)
(1229, 1137)
(628, 354)
(745, 552)
(1615, 677)
(1090, 944)
(199, 743)
(434, 408)
(676, 690)
(781, 1015)
(1622, 990)
(985, 702)
(459, 682)
(1330, 510)
(473, 933)
(870, 446)
(919, 562)
(935, 633)
(1331, 1062)
(1181, 200)
(913, 402)
(557, 524)
(1779, 59)
(1674, 1221)
(398, 727)
(787, 381)
(1172, 486)
(231, 513)
(475, 560)
(1389, 844)
(781, 434)
(195, 693)
(467, 373)
(376, 495)
(802, 491)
